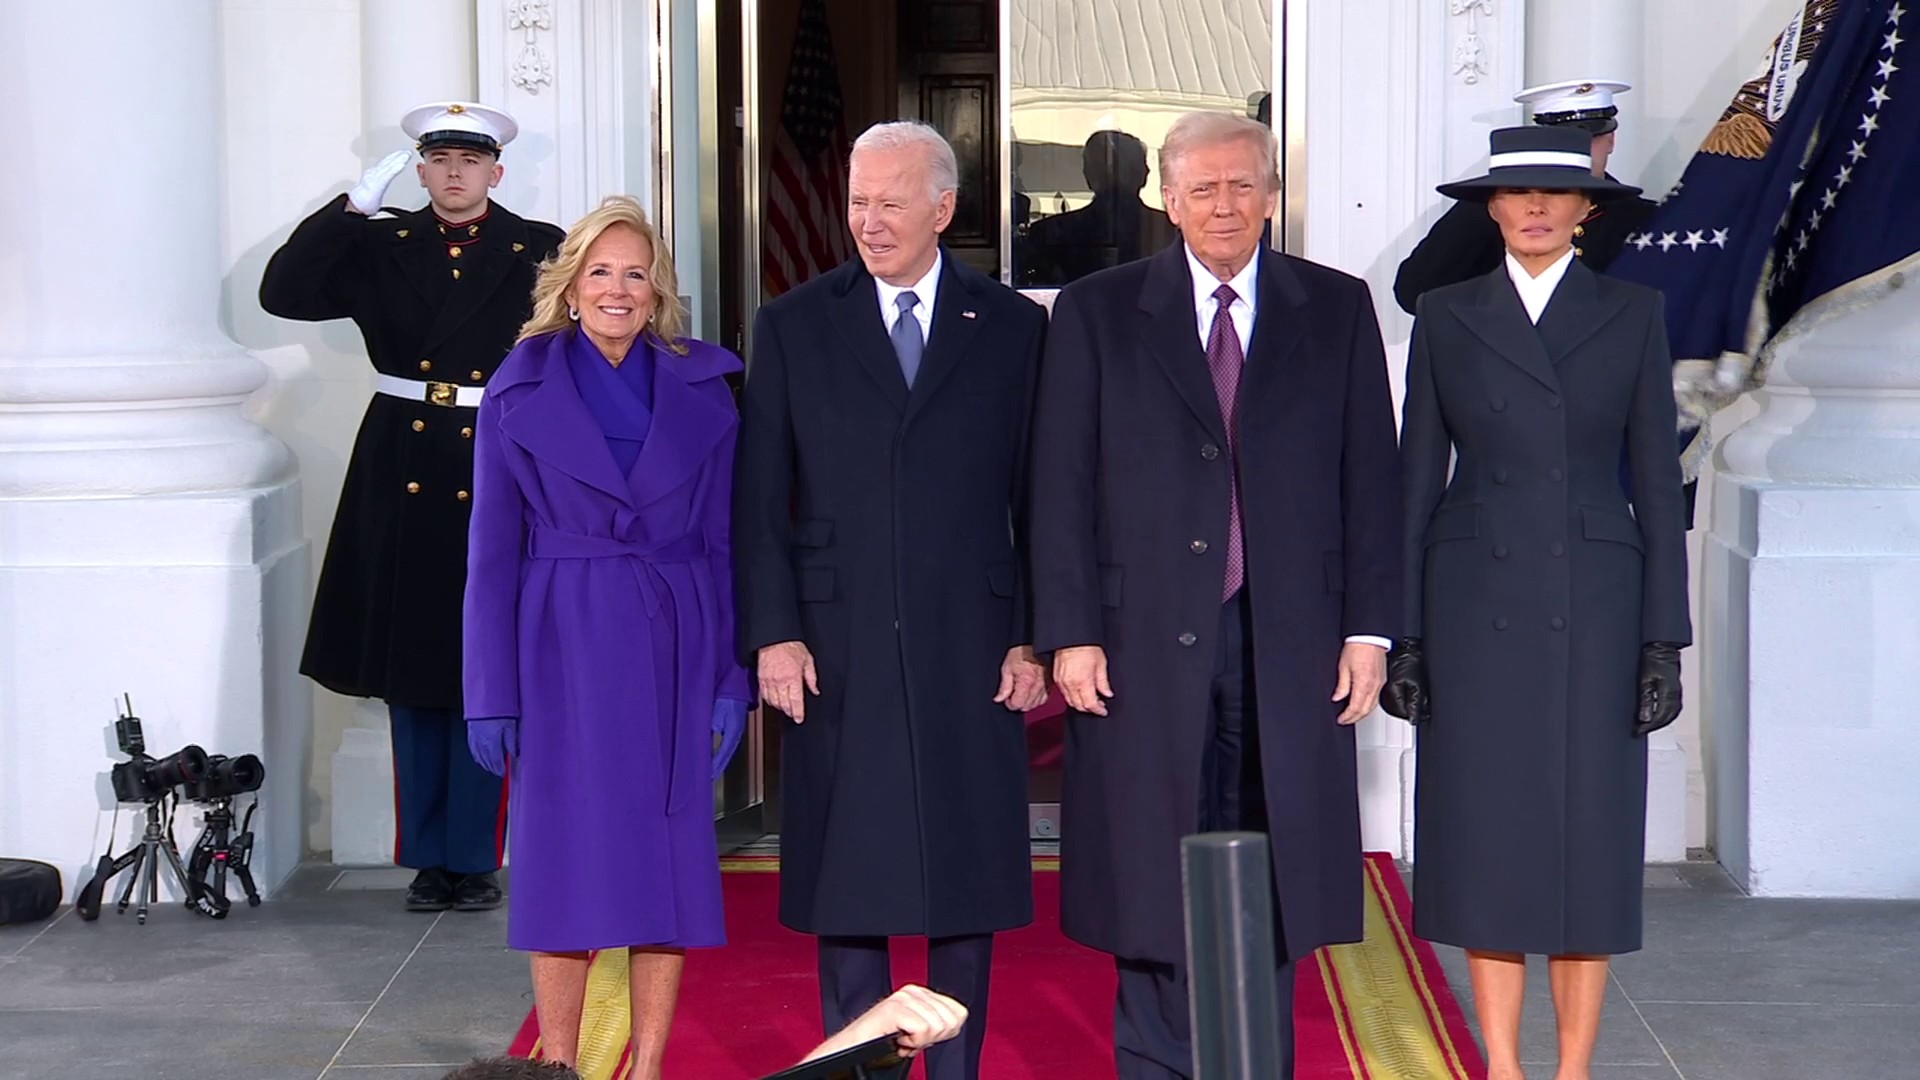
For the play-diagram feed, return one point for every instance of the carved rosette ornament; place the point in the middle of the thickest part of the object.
(1470, 49)
(531, 67)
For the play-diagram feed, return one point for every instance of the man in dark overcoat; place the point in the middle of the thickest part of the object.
(1214, 527)
(881, 592)
(439, 295)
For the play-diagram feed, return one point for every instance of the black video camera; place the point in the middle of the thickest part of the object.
(146, 779)
(226, 777)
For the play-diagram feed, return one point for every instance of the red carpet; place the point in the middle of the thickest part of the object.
(1380, 1010)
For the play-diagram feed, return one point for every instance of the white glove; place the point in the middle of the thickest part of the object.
(372, 188)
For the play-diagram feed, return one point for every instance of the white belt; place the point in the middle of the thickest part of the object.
(432, 393)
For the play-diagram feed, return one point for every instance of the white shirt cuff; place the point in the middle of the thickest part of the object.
(1369, 639)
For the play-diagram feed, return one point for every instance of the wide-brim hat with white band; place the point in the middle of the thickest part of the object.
(1583, 103)
(462, 124)
(1539, 158)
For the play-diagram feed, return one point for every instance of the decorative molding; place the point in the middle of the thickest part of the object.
(1469, 52)
(532, 67)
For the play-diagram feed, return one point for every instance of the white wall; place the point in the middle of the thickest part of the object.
(292, 141)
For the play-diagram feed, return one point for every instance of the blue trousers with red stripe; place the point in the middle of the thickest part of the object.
(451, 814)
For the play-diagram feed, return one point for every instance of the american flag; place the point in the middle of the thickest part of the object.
(806, 227)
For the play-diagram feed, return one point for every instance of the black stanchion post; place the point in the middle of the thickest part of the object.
(1230, 955)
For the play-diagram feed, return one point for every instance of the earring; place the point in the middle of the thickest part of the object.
(573, 313)
(650, 317)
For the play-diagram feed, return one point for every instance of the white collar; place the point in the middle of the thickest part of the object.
(1535, 292)
(1204, 281)
(927, 288)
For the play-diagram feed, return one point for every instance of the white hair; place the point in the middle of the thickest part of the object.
(1198, 129)
(943, 172)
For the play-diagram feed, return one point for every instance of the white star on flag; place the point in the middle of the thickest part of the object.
(1887, 68)
(1893, 42)
(1859, 151)
(1801, 241)
(1720, 238)
(1642, 241)
(1880, 96)
(1815, 219)
(1694, 240)
(1869, 124)
(1894, 15)
(1793, 258)
(1845, 177)
(1831, 197)
(1667, 240)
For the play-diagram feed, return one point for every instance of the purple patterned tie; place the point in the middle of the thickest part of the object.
(1225, 359)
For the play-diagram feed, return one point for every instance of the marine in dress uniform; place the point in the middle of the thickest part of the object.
(439, 294)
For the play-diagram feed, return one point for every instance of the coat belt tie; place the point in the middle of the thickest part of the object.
(549, 543)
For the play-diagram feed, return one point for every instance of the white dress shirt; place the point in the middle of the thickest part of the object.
(1241, 312)
(925, 289)
(1535, 292)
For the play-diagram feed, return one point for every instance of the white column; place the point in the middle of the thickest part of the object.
(411, 52)
(149, 533)
(1813, 570)
(1579, 39)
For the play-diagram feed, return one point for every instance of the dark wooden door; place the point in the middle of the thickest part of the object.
(948, 69)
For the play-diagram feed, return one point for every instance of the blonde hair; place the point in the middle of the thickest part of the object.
(558, 272)
(1198, 129)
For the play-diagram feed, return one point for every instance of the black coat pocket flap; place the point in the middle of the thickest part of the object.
(1454, 523)
(1000, 579)
(1598, 524)
(816, 584)
(813, 533)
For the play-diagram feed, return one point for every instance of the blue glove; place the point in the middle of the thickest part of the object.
(492, 741)
(729, 723)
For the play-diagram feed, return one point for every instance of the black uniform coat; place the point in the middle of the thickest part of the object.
(386, 618)
(1465, 243)
(1129, 548)
(878, 526)
(1533, 584)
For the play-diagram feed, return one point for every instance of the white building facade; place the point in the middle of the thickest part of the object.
(170, 455)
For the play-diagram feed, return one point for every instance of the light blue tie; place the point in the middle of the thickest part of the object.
(908, 345)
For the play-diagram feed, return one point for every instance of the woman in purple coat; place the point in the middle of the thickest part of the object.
(599, 622)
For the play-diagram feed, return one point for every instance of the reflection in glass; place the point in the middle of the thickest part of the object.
(1095, 86)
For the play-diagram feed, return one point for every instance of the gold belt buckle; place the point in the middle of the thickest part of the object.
(444, 394)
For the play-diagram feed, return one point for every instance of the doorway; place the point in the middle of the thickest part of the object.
(1055, 109)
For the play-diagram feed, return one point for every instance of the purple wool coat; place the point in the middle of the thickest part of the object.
(599, 611)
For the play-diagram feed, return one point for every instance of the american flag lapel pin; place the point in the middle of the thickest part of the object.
(967, 315)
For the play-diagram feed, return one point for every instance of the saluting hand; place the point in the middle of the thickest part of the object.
(1081, 673)
(372, 188)
(1023, 682)
(784, 669)
(1363, 671)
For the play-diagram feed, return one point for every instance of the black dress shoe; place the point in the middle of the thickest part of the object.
(432, 890)
(476, 892)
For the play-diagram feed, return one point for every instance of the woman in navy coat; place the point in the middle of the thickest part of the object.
(1546, 599)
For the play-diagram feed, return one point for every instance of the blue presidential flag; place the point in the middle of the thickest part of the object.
(1802, 201)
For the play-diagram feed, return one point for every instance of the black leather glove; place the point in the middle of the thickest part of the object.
(1659, 687)
(1405, 694)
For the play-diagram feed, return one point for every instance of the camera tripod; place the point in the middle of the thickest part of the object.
(218, 849)
(143, 858)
